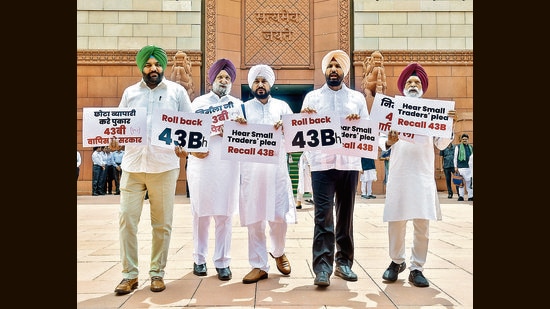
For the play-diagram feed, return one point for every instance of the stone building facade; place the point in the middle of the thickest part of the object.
(291, 36)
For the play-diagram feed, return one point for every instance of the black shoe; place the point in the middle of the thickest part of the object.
(372, 196)
(199, 270)
(417, 279)
(322, 279)
(450, 195)
(393, 270)
(117, 193)
(471, 199)
(345, 272)
(310, 201)
(224, 274)
(299, 206)
(460, 198)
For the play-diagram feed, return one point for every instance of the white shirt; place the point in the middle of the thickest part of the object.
(266, 189)
(344, 102)
(147, 158)
(411, 190)
(213, 181)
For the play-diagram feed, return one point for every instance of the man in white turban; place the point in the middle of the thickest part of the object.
(334, 175)
(266, 196)
(264, 71)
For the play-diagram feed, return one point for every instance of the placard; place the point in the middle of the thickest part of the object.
(100, 125)
(174, 128)
(423, 116)
(314, 131)
(251, 142)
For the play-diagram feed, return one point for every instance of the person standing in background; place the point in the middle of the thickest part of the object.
(117, 157)
(411, 190)
(462, 154)
(385, 156)
(149, 168)
(266, 195)
(447, 155)
(304, 179)
(368, 176)
(110, 171)
(471, 165)
(78, 162)
(334, 177)
(98, 170)
(207, 170)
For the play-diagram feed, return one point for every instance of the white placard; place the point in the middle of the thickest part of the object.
(314, 131)
(358, 138)
(174, 128)
(100, 125)
(382, 111)
(423, 116)
(251, 142)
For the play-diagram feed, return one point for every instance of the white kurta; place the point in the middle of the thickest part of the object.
(266, 189)
(411, 190)
(213, 182)
(304, 174)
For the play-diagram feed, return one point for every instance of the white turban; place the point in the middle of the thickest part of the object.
(341, 57)
(261, 70)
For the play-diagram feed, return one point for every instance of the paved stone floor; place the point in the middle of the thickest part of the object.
(449, 266)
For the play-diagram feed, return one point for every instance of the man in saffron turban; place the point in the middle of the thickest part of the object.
(334, 177)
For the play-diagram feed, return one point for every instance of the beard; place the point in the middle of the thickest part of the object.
(334, 82)
(263, 95)
(153, 80)
(413, 92)
(220, 89)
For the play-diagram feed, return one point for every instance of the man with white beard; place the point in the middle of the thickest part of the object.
(411, 192)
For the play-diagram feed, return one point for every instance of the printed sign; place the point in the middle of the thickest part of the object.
(251, 142)
(305, 131)
(174, 128)
(423, 116)
(382, 110)
(359, 138)
(100, 125)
